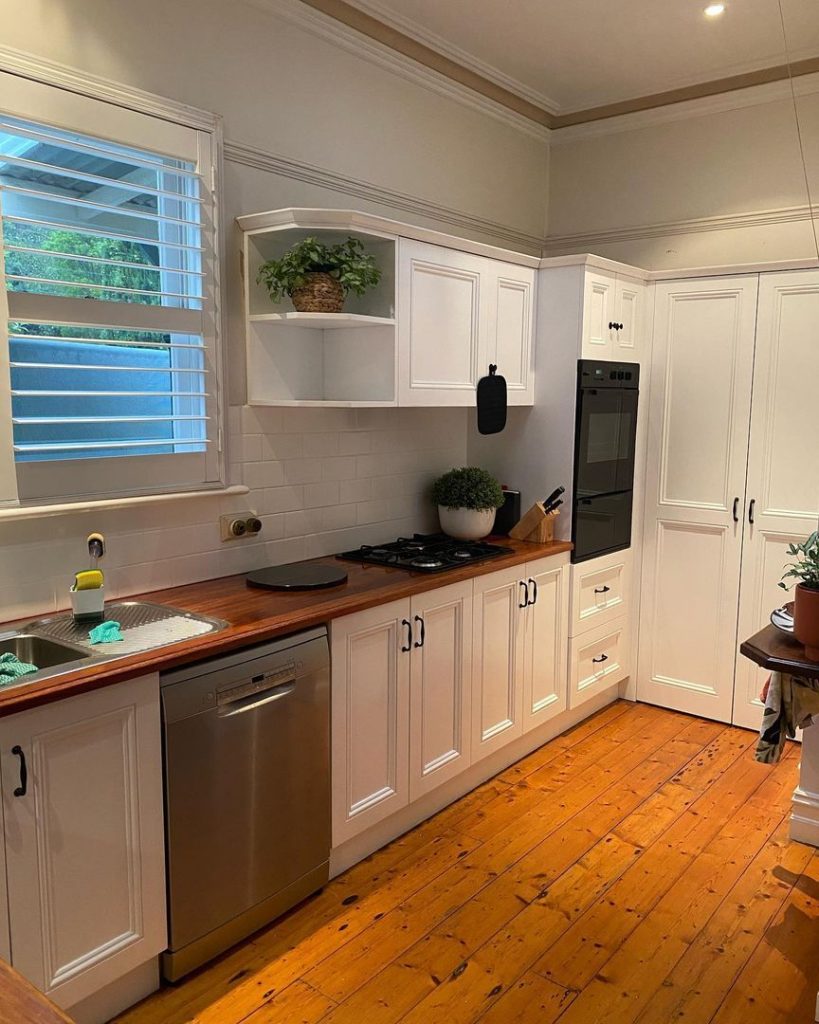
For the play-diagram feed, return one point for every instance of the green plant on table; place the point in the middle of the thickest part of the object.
(805, 569)
(348, 262)
(467, 487)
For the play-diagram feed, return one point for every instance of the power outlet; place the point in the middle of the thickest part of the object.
(237, 525)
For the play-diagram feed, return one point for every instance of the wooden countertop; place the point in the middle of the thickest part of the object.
(779, 652)
(257, 615)
(22, 1003)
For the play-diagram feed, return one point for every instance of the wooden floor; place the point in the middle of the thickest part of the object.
(635, 869)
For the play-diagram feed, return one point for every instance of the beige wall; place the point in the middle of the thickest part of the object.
(656, 195)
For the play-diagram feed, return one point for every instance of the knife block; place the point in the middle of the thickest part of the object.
(537, 526)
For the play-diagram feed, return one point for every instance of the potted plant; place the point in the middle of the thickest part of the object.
(467, 500)
(318, 277)
(806, 595)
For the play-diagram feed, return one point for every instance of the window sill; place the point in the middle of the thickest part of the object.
(97, 505)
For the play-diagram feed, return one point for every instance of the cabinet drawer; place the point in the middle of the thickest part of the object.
(599, 659)
(600, 591)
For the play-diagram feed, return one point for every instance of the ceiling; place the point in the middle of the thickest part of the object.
(565, 56)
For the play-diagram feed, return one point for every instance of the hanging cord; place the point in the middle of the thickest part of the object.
(799, 130)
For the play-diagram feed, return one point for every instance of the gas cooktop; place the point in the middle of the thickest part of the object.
(432, 552)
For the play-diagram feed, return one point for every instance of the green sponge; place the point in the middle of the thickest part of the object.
(11, 668)
(105, 633)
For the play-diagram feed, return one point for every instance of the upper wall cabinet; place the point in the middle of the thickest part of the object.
(613, 317)
(457, 313)
(444, 309)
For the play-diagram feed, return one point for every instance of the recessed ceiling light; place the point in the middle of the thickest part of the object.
(714, 10)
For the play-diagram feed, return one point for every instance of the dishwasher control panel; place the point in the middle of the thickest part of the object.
(257, 684)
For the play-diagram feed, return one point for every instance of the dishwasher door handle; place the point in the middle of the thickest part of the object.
(256, 700)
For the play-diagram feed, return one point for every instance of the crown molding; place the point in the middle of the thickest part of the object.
(378, 9)
(736, 99)
(326, 27)
(586, 241)
(64, 76)
(250, 156)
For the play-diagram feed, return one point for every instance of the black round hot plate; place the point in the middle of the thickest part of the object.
(296, 576)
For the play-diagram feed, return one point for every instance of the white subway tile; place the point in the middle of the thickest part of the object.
(322, 444)
(316, 495)
(282, 499)
(302, 471)
(340, 468)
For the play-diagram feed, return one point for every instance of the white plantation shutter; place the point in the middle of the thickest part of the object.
(110, 277)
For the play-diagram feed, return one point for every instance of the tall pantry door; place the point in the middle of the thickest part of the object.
(783, 460)
(699, 415)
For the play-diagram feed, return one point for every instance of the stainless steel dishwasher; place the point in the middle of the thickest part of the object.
(247, 792)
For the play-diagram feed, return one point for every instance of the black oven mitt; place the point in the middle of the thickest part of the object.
(491, 402)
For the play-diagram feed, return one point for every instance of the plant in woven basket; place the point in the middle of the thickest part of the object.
(317, 277)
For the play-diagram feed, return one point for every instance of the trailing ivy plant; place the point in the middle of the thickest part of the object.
(348, 262)
(467, 487)
(805, 569)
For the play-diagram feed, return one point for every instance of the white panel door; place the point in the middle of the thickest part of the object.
(511, 330)
(545, 651)
(85, 838)
(598, 313)
(702, 366)
(370, 716)
(629, 311)
(499, 610)
(440, 686)
(783, 461)
(442, 320)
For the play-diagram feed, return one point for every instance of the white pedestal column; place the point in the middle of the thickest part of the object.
(805, 804)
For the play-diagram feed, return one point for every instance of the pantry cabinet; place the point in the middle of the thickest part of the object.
(457, 313)
(84, 838)
(731, 480)
(613, 316)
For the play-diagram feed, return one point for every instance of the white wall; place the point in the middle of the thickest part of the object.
(706, 189)
(322, 480)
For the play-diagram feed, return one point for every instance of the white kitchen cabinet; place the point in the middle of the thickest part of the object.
(370, 716)
(544, 650)
(695, 488)
(601, 591)
(457, 313)
(500, 604)
(84, 838)
(783, 461)
(440, 686)
(599, 659)
(613, 316)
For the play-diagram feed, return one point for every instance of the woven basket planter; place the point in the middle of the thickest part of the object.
(321, 293)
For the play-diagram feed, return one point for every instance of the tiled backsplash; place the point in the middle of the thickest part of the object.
(321, 480)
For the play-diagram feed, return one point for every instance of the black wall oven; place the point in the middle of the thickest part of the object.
(605, 434)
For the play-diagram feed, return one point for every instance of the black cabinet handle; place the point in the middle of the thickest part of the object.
(408, 646)
(612, 325)
(525, 594)
(602, 590)
(423, 632)
(736, 510)
(18, 751)
(603, 657)
(534, 589)
(751, 509)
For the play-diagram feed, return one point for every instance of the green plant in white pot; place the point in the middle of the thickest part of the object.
(805, 569)
(467, 500)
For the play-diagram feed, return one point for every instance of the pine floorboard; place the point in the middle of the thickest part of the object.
(636, 869)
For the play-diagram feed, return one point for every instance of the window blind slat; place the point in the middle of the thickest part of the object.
(98, 232)
(125, 342)
(158, 442)
(99, 260)
(88, 204)
(27, 279)
(108, 369)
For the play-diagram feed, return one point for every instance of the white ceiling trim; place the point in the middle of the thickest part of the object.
(63, 76)
(752, 96)
(322, 25)
(382, 13)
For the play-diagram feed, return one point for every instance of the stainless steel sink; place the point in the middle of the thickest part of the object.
(39, 650)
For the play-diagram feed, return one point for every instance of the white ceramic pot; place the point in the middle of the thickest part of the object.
(466, 523)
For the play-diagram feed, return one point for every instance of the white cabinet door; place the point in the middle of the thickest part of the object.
(442, 322)
(629, 305)
(511, 329)
(499, 609)
(440, 686)
(545, 644)
(85, 841)
(783, 462)
(598, 312)
(695, 486)
(599, 659)
(370, 716)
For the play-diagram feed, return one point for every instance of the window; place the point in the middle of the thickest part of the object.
(108, 266)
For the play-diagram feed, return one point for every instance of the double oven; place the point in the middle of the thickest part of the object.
(605, 434)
